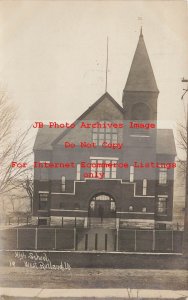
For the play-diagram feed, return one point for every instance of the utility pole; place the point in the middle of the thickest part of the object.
(185, 234)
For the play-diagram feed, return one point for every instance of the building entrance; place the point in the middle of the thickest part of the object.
(102, 206)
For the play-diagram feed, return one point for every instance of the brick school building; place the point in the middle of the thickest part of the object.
(109, 169)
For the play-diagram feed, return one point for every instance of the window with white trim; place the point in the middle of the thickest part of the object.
(63, 184)
(131, 173)
(145, 187)
(78, 172)
(162, 206)
(107, 170)
(100, 135)
(162, 176)
(105, 166)
(113, 171)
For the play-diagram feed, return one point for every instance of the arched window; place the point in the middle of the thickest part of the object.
(78, 171)
(130, 208)
(144, 187)
(131, 173)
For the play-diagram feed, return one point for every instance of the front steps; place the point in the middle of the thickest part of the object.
(96, 239)
(109, 223)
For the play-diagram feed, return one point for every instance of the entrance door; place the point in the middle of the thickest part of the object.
(102, 206)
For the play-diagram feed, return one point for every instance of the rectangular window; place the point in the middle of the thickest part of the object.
(162, 176)
(43, 201)
(63, 183)
(131, 174)
(108, 137)
(113, 173)
(114, 138)
(162, 206)
(101, 138)
(102, 166)
(99, 168)
(107, 170)
(78, 172)
(144, 187)
(100, 135)
(95, 137)
(93, 168)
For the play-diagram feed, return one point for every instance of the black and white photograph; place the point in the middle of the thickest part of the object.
(93, 149)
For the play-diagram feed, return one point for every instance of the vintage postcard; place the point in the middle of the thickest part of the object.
(93, 149)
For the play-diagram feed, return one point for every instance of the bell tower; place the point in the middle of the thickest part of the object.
(140, 106)
(141, 92)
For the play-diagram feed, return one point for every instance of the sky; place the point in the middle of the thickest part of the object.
(53, 54)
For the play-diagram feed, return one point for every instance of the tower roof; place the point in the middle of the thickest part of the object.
(141, 76)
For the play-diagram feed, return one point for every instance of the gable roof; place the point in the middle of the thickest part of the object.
(106, 95)
(45, 137)
(141, 77)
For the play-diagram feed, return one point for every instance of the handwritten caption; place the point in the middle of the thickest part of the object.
(37, 261)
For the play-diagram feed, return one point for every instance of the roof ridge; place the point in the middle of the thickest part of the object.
(87, 111)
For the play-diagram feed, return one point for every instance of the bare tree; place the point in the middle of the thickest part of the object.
(14, 147)
(182, 144)
(28, 186)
